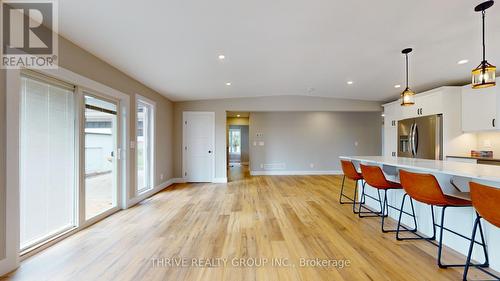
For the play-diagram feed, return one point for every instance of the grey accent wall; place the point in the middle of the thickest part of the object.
(260, 104)
(299, 139)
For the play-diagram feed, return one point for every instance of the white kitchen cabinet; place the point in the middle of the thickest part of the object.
(443, 100)
(391, 117)
(480, 108)
(432, 103)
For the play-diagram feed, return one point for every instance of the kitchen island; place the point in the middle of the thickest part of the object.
(454, 178)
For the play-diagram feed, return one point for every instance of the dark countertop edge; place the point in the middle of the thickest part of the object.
(477, 158)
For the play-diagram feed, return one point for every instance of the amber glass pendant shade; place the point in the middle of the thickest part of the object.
(483, 76)
(407, 97)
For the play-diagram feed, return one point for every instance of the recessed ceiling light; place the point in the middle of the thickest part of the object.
(349, 82)
(228, 83)
(221, 57)
(238, 115)
(397, 86)
(463, 61)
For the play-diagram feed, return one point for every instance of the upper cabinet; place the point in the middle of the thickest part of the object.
(443, 100)
(480, 108)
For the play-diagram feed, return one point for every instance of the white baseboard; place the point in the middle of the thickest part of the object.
(153, 191)
(179, 180)
(294, 173)
(219, 180)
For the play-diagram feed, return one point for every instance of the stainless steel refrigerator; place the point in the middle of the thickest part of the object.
(421, 137)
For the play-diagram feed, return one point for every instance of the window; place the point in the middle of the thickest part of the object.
(47, 159)
(145, 144)
(234, 141)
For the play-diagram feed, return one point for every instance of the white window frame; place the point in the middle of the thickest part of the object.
(152, 146)
(13, 86)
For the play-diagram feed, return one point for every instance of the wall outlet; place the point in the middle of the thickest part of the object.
(254, 143)
(161, 176)
(311, 165)
(356, 143)
(261, 143)
(262, 166)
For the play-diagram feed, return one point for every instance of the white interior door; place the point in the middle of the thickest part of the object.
(199, 143)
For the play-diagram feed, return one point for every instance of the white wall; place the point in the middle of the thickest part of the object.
(311, 141)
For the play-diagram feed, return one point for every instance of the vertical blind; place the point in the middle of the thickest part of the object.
(48, 176)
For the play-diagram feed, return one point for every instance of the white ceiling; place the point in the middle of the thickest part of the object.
(283, 47)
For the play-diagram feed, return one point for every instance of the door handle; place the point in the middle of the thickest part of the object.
(415, 140)
(210, 151)
(411, 139)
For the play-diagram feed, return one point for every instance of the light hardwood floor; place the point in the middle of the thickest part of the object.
(283, 217)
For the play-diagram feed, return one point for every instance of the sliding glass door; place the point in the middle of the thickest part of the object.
(101, 143)
(70, 165)
(47, 159)
(145, 133)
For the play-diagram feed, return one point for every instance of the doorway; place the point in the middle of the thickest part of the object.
(101, 142)
(237, 139)
(199, 146)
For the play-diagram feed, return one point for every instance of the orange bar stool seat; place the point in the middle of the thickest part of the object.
(374, 176)
(486, 201)
(351, 173)
(425, 188)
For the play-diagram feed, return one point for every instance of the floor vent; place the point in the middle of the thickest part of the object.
(275, 166)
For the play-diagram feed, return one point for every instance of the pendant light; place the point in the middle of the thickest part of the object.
(483, 76)
(407, 96)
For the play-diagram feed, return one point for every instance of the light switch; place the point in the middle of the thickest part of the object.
(261, 143)
(254, 143)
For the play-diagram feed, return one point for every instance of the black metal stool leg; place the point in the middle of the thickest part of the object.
(473, 240)
(468, 264)
(483, 241)
(469, 254)
(342, 191)
(386, 209)
(363, 198)
(355, 198)
(440, 246)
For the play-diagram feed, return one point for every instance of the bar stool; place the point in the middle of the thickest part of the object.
(351, 173)
(425, 188)
(485, 200)
(374, 176)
